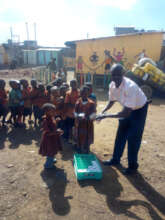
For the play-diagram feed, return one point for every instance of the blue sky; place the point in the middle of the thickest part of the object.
(65, 20)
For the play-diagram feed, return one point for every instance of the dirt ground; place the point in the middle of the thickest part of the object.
(28, 192)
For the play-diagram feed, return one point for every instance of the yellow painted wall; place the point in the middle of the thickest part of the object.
(133, 45)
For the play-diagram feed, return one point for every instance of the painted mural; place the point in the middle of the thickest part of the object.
(97, 55)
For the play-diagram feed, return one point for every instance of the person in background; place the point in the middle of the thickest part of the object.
(85, 113)
(15, 101)
(70, 101)
(91, 96)
(3, 101)
(65, 72)
(131, 119)
(52, 68)
(26, 91)
(50, 141)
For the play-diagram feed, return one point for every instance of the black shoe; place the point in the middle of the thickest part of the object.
(110, 162)
(129, 171)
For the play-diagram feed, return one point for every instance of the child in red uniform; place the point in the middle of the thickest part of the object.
(55, 99)
(34, 95)
(40, 101)
(48, 93)
(85, 113)
(70, 101)
(50, 142)
(26, 91)
(3, 101)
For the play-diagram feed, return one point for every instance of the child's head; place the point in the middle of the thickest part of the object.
(49, 109)
(24, 83)
(63, 91)
(41, 87)
(66, 86)
(2, 84)
(89, 85)
(73, 84)
(55, 91)
(14, 84)
(34, 83)
(59, 82)
(84, 92)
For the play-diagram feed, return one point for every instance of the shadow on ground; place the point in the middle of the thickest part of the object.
(112, 188)
(56, 181)
(18, 136)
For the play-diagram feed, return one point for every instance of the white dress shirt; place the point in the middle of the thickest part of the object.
(128, 94)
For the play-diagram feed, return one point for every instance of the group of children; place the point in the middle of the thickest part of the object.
(60, 109)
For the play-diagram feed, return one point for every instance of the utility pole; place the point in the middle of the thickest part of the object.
(35, 37)
(11, 32)
(27, 31)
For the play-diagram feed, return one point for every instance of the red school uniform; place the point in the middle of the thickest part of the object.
(50, 141)
(71, 98)
(26, 92)
(3, 96)
(84, 127)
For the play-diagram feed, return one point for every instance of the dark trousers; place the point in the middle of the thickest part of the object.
(69, 123)
(130, 130)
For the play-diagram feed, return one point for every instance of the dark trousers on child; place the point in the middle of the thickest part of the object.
(130, 130)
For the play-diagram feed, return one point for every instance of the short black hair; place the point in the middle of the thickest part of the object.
(48, 106)
(89, 84)
(73, 81)
(117, 68)
(83, 88)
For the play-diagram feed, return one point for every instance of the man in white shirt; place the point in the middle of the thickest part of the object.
(131, 119)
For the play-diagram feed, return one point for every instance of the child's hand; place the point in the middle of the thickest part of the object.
(81, 116)
(58, 119)
(60, 132)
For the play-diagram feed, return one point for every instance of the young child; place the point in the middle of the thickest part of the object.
(26, 91)
(40, 101)
(15, 102)
(55, 99)
(3, 101)
(70, 101)
(34, 95)
(85, 113)
(50, 141)
(91, 95)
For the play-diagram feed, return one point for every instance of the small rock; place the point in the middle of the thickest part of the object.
(10, 165)
(31, 151)
(12, 181)
(24, 193)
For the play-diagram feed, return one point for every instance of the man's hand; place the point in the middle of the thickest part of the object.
(100, 117)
